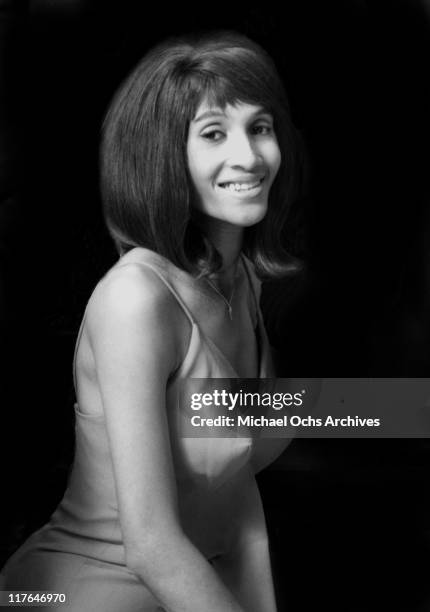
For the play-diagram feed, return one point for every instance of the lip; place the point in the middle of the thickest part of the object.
(246, 194)
(242, 179)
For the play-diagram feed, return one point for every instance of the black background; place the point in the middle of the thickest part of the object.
(348, 519)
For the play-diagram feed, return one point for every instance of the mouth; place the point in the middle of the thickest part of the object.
(241, 186)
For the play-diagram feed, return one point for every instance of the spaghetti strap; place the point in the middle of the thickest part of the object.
(171, 289)
(78, 340)
(251, 282)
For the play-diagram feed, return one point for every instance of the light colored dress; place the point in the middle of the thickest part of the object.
(80, 552)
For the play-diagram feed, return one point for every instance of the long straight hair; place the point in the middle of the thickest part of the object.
(145, 184)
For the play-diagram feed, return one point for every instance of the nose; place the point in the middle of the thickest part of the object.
(243, 152)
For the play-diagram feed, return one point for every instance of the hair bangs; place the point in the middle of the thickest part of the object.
(226, 87)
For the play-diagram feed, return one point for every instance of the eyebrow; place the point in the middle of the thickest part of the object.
(209, 114)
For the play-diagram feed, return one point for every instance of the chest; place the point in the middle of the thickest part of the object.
(235, 336)
(230, 325)
(238, 343)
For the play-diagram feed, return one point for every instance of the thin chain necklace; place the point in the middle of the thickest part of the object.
(227, 302)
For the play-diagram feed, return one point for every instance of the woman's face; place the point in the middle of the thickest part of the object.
(233, 158)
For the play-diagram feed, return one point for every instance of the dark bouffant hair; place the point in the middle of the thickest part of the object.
(146, 188)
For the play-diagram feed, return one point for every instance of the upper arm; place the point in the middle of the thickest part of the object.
(135, 348)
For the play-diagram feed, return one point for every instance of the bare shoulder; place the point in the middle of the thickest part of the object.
(134, 298)
(131, 289)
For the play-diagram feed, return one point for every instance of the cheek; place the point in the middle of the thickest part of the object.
(273, 158)
(194, 168)
(198, 170)
(276, 159)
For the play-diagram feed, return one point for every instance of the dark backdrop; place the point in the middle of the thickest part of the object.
(348, 518)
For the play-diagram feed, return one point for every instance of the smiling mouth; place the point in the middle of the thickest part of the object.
(241, 186)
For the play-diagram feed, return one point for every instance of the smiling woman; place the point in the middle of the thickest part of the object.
(234, 150)
(148, 196)
(197, 169)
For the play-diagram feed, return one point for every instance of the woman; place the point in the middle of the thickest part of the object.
(197, 161)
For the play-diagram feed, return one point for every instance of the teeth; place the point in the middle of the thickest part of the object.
(241, 186)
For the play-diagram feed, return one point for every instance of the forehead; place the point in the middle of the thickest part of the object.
(240, 110)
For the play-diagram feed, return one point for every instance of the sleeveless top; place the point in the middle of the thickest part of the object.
(86, 522)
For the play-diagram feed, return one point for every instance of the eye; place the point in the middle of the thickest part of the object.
(213, 135)
(262, 129)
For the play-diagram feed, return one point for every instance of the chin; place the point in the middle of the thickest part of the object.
(244, 215)
(250, 217)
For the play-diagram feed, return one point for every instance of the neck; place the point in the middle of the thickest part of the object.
(227, 239)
